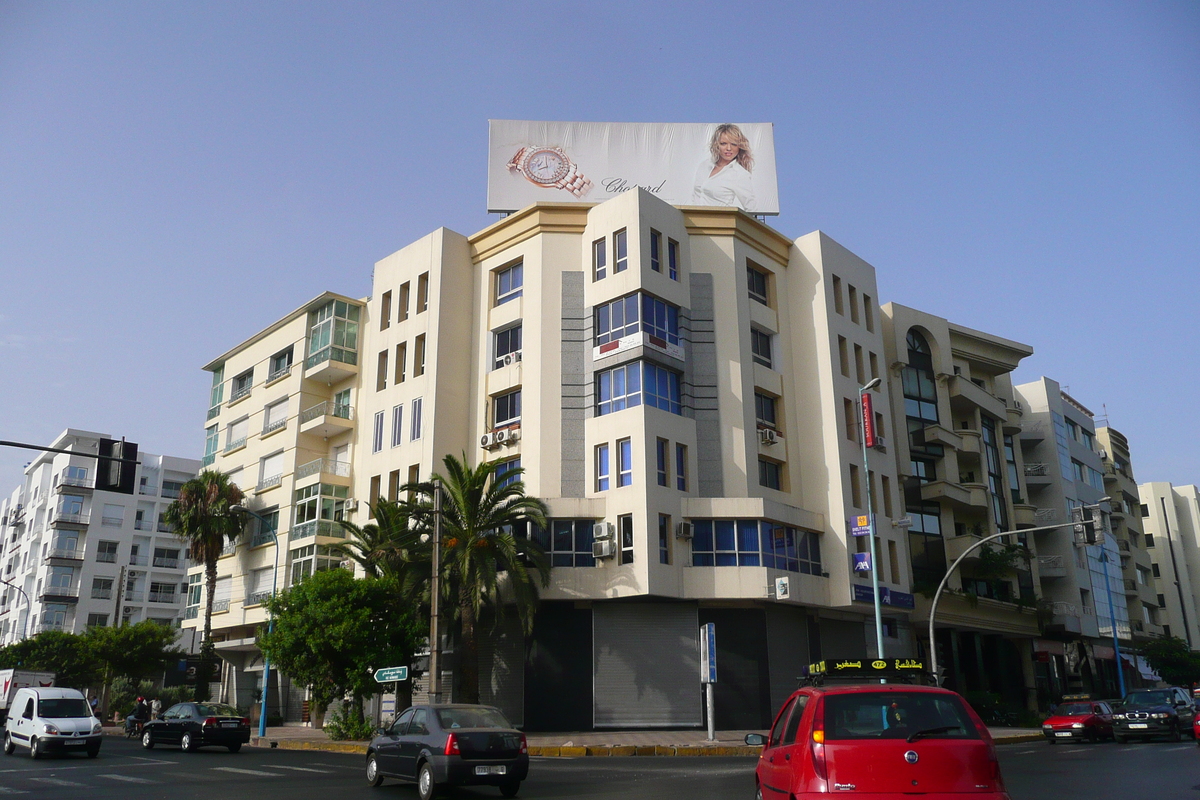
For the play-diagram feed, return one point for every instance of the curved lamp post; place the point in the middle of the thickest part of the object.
(262, 716)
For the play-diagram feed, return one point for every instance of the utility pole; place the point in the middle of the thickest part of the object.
(867, 431)
(435, 634)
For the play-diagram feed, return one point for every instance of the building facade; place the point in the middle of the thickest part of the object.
(85, 556)
(1171, 519)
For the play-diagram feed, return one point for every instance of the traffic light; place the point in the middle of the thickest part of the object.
(1084, 525)
(1100, 524)
(116, 467)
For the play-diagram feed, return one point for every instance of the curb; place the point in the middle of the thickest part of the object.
(593, 751)
(359, 748)
(1021, 738)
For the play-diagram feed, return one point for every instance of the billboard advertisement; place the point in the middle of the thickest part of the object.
(685, 164)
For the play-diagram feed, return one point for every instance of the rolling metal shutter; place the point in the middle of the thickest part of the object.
(502, 668)
(646, 665)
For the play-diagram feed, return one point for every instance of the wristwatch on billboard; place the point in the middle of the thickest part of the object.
(550, 168)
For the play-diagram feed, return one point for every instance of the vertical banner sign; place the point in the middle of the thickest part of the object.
(708, 653)
(868, 420)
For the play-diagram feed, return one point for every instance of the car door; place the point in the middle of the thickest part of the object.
(24, 723)
(1103, 717)
(167, 728)
(1185, 708)
(774, 775)
(387, 747)
(412, 741)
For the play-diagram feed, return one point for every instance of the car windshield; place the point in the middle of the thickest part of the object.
(896, 715)
(1075, 710)
(1163, 698)
(479, 717)
(216, 710)
(63, 707)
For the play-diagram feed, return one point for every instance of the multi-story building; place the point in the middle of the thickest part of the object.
(1084, 585)
(1171, 520)
(86, 556)
(679, 385)
(962, 479)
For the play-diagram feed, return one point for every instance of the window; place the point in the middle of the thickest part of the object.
(844, 356)
(373, 495)
(770, 474)
(567, 542)
(102, 588)
(385, 311)
(281, 364)
(106, 552)
(274, 418)
(756, 281)
(217, 394)
(754, 543)
(401, 362)
(664, 539)
(662, 455)
(837, 295)
(859, 371)
(764, 410)
(599, 259)
(624, 462)
(212, 442)
(240, 386)
(333, 334)
(625, 531)
(508, 284)
(508, 473)
(602, 468)
(760, 347)
(270, 470)
(422, 292)
(419, 356)
(620, 251)
(415, 432)
(309, 559)
(397, 425)
(377, 433)
(627, 315)
(97, 620)
(855, 488)
(874, 366)
(655, 250)
(402, 303)
(868, 313)
(853, 304)
(381, 371)
(506, 408)
(630, 384)
(507, 346)
(887, 495)
(681, 467)
(850, 414)
(672, 259)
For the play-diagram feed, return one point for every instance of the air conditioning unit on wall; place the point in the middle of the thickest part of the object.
(501, 436)
(488, 441)
(604, 548)
(881, 444)
(602, 530)
(767, 436)
(683, 530)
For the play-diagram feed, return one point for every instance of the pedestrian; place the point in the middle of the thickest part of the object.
(155, 708)
(94, 704)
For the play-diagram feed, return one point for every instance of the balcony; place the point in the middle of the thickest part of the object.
(1012, 419)
(163, 597)
(331, 364)
(936, 434)
(269, 483)
(1131, 587)
(148, 489)
(191, 612)
(64, 554)
(134, 596)
(63, 480)
(327, 419)
(968, 496)
(51, 625)
(317, 527)
(239, 392)
(1033, 432)
(235, 444)
(102, 594)
(112, 522)
(16, 515)
(163, 527)
(220, 605)
(68, 519)
(260, 538)
(1124, 546)
(106, 558)
(1047, 516)
(967, 394)
(1024, 516)
(326, 470)
(1064, 618)
(957, 545)
(258, 598)
(60, 593)
(208, 460)
(279, 374)
(1052, 567)
(143, 525)
(138, 561)
(168, 563)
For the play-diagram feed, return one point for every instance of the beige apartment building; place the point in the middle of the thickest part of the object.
(679, 385)
(1171, 520)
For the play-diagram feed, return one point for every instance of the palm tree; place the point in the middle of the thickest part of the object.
(479, 514)
(202, 517)
(384, 547)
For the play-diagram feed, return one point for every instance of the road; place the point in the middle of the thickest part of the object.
(123, 770)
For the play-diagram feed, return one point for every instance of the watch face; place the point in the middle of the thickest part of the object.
(546, 165)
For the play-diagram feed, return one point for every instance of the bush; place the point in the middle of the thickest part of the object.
(343, 724)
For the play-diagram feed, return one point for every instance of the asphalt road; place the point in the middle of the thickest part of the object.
(124, 770)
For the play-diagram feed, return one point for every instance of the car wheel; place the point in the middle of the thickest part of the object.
(426, 787)
(233, 748)
(8, 744)
(758, 793)
(93, 752)
(1051, 742)
(148, 740)
(374, 776)
(509, 788)
(1176, 735)
(35, 748)
(1119, 739)
(187, 743)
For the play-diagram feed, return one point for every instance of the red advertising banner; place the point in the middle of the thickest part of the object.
(868, 420)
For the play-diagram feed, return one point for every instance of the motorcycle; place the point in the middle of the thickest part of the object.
(133, 727)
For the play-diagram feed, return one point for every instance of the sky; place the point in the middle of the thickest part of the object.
(174, 177)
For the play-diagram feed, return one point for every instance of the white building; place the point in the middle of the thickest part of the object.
(1171, 517)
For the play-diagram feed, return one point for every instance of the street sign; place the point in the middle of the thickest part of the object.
(391, 674)
(862, 562)
(860, 525)
(783, 589)
(708, 653)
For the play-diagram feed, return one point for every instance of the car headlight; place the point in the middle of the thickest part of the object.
(96, 728)
(47, 728)
(1077, 725)
(1048, 727)
(1160, 715)
(1118, 716)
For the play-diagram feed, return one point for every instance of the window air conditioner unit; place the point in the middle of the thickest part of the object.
(513, 434)
(683, 530)
(881, 444)
(604, 548)
(602, 530)
(508, 359)
(487, 441)
(767, 436)
(501, 436)
(516, 356)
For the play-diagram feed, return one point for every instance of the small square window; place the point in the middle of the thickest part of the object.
(672, 259)
(770, 474)
(599, 259)
(756, 282)
(760, 347)
(602, 468)
(509, 283)
(506, 408)
(655, 250)
(620, 251)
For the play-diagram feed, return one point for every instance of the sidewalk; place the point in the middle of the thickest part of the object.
(595, 743)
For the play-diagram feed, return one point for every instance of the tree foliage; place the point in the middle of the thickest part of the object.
(70, 657)
(331, 629)
(1173, 660)
(133, 651)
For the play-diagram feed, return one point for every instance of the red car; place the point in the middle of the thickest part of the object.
(885, 740)
(1087, 720)
(1196, 729)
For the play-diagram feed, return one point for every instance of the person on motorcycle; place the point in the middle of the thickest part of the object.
(140, 715)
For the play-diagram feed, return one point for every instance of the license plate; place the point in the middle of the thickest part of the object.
(496, 770)
(230, 724)
(75, 744)
(1063, 733)
(1141, 725)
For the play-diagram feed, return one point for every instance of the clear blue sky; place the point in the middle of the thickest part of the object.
(176, 176)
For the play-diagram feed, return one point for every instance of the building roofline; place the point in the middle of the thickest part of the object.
(304, 309)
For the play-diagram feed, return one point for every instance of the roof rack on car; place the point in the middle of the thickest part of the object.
(889, 670)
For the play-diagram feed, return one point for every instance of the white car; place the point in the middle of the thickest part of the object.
(51, 720)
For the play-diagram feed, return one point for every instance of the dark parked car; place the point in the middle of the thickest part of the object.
(450, 745)
(1146, 713)
(192, 725)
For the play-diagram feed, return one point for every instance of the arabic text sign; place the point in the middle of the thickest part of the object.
(390, 674)
(860, 525)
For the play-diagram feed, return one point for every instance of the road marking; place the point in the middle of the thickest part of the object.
(6, 790)
(126, 778)
(56, 781)
(300, 769)
(336, 766)
(247, 771)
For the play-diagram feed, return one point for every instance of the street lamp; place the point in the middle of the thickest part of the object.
(28, 606)
(270, 526)
(1112, 614)
(866, 425)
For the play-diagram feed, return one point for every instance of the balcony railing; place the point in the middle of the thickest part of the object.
(1089, 611)
(274, 426)
(73, 481)
(267, 483)
(317, 527)
(1046, 515)
(340, 410)
(163, 527)
(324, 466)
(191, 612)
(148, 489)
(106, 558)
(261, 538)
(257, 598)
(143, 524)
(1065, 609)
(331, 354)
(275, 375)
(171, 492)
(234, 444)
(166, 563)
(112, 522)
(67, 518)
(163, 597)
(102, 594)
(51, 625)
(208, 460)
(1036, 470)
(60, 591)
(72, 554)
(220, 605)
(238, 393)
(134, 596)
(138, 561)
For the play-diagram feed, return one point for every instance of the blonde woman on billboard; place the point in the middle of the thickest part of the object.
(723, 178)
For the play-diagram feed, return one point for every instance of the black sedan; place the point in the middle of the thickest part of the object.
(192, 725)
(450, 745)
(1146, 713)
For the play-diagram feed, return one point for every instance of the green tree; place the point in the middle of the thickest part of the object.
(331, 629)
(480, 510)
(1173, 660)
(133, 652)
(382, 547)
(69, 656)
(202, 517)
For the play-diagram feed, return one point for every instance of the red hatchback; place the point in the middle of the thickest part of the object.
(877, 741)
(1088, 721)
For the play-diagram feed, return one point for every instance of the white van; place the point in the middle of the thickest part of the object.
(49, 720)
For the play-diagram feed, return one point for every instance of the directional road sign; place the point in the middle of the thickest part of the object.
(391, 674)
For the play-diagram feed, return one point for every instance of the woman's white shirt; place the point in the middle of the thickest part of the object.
(729, 187)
